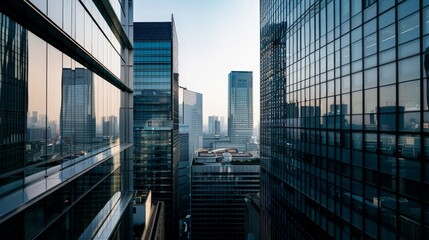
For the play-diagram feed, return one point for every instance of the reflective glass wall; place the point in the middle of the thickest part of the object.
(344, 118)
(69, 112)
(64, 102)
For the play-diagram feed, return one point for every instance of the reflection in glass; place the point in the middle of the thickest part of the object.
(409, 28)
(409, 69)
(77, 110)
(426, 83)
(13, 107)
(36, 155)
(409, 95)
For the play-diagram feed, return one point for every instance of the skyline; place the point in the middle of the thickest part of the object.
(206, 59)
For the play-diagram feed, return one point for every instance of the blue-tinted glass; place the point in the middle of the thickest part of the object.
(408, 28)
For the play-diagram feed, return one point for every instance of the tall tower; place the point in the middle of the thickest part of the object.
(240, 106)
(344, 119)
(156, 114)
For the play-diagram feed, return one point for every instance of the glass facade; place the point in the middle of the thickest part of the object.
(184, 177)
(156, 120)
(240, 107)
(344, 119)
(63, 142)
(217, 199)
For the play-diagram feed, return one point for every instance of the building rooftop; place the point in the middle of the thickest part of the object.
(224, 156)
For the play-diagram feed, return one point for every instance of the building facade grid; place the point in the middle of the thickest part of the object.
(344, 119)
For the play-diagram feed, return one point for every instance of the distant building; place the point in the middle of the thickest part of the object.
(214, 126)
(240, 106)
(191, 115)
(220, 180)
(110, 127)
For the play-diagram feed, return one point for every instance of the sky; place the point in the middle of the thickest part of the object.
(215, 37)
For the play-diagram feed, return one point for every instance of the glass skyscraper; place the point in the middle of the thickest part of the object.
(344, 119)
(240, 106)
(156, 115)
(64, 67)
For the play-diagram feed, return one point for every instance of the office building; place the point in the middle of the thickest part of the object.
(220, 180)
(240, 106)
(148, 217)
(214, 126)
(64, 66)
(191, 115)
(156, 115)
(344, 119)
(184, 176)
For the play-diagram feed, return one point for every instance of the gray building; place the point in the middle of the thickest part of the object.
(156, 115)
(240, 106)
(344, 119)
(220, 180)
(191, 115)
(63, 67)
(214, 126)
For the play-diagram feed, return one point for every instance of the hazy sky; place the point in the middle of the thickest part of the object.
(215, 38)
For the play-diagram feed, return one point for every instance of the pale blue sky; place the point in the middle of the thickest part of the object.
(215, 38)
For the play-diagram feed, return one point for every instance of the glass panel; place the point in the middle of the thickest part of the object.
(357, 81)
(357, 102)
(370, 78)
(409, 121)
(387, 37)
(387, 74)
(357, 50)
(55, 12)
(408, 148)
(370, 100)
(407, 8)
(409, 69)
(55, 67)
(385, 4)
(386, 19)
(409, 96)
(370, 45)
(425, 20)
(408, 28)
(40, 4)
(356, 7)
(370, 27)
(387, 99)
(345, 10)
(387, 56)
(409, 49)
(36, 121)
